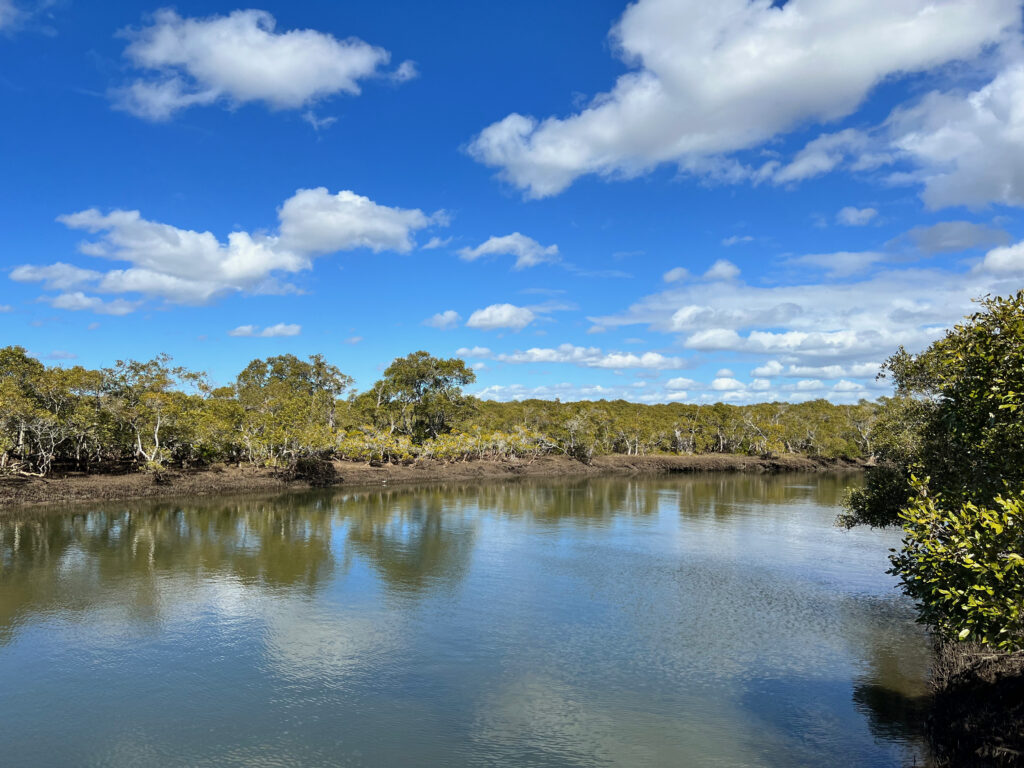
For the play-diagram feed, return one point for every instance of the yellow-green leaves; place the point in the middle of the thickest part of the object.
(961, 562)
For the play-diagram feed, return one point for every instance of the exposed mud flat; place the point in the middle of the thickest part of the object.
(74, 488)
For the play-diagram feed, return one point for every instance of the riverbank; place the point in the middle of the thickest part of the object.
(73, 488)
(976, 713)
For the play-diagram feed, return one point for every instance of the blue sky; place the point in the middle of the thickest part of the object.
(664, 200)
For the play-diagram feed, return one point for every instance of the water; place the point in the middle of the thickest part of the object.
(697, 621)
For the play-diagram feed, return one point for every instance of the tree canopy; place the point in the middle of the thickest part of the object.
(951, 472)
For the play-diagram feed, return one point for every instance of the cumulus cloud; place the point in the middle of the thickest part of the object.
(953, 237)
(1008, 260)
(58, 277)
(680, 383)
(498, 316)
(967, 148)
(528, 252)
(855, 217)
(270, 332)
(315, 221)
(565, 391)
(722, 270)
(710, 79)
(593, 357)
(473, 352)
(188, 267)
(770, 368)
(78, 301)
(774, 368)
(240, 58)
(675, 274)
(727, 384)
(444, 320)
(839, 264)
(825, 329)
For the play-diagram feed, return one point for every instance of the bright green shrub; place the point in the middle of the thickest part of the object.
(962, 563)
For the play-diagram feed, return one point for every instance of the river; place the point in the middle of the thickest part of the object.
(712, 620)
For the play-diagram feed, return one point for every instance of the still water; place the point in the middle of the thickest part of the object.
(696, 621)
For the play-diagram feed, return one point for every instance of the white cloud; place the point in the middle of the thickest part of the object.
(406, 71)
(240, 58)
(727, 384)
(6, 308)
(473, 352)
(564, 391)
(855, 217)
(1008, 260)
(528, 252)
(315, 221)
(841, 263)
(722, 270)
(270, 332)
(593, 357)
(444, 320)
(967, 148)
(709, 79)
(680, 383)
(809, 385)
(353, 340)
(736, 240)
(771, 368)
(824, 154)
(953, 237)
(78, 301)
(856, 370)
(436, 242)
(188, 267)
(675, 274)
(827, 329)
(501, 316)
(58, 277)
(318, 123)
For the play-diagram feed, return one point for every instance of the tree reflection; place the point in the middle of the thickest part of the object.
(412, 538)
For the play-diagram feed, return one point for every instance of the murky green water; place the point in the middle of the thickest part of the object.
(698, 621)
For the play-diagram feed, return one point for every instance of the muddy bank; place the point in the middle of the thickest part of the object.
(71, 488)
(976, 715)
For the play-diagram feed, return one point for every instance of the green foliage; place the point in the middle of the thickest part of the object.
(962, 564)
(280, 409)
(289, 407)
(956, 420)
(420, 396)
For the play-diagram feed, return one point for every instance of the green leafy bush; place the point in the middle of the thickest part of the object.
(962, 564)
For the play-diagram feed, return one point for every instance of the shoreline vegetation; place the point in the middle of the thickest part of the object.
(142, 428)
(950, 473)
(76, 488)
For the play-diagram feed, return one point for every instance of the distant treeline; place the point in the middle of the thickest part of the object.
(154, 414)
